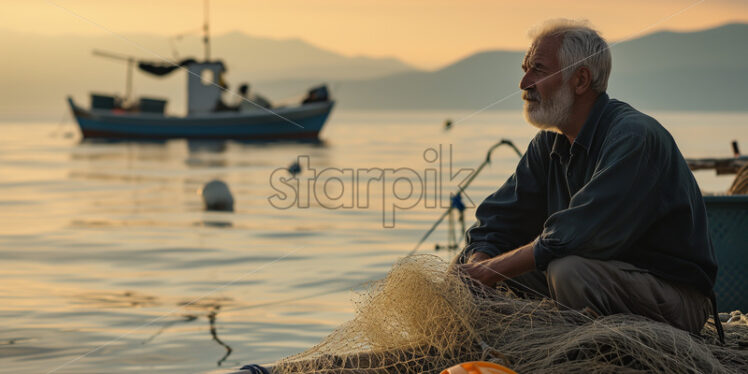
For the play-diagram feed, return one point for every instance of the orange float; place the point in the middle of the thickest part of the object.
(478, 367)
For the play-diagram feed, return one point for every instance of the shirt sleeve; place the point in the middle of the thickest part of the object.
(611, 210)
(514, 214)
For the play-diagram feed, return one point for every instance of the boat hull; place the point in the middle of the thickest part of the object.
(293, 123)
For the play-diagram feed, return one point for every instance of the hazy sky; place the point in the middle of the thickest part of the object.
(423, 33)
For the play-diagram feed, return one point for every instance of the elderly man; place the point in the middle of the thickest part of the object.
(602, 212)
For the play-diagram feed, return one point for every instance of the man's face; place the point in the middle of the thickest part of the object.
(547, 97)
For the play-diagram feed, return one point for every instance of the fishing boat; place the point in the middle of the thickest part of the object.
(302, 122)
(251, 118)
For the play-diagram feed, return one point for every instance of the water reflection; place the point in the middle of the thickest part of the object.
(196, 154)
(116, 299)
(216, 224)
(206, 154)
(213, 306)
(139, 177)
(132, 151)
(188, 310)
(209, 146)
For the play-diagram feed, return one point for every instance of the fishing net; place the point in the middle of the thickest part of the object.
(740, 183)
(422, 319)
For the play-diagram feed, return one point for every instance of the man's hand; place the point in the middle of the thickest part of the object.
(478, 257)
(482, 271)
(490, 271)
(474, 257)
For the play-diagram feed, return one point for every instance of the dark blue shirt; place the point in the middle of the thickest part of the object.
(622, 191)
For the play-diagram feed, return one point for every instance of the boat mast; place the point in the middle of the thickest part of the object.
(130, 60)
(128, 89)
(206, 36)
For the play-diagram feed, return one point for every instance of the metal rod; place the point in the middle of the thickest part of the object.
(130, 60)
(206, 37)
(128, 88)
(735, 148)
(112, 55)
(463, 187)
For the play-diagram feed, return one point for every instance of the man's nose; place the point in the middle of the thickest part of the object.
(526, 82)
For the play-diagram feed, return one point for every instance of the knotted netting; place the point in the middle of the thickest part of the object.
(423, 318)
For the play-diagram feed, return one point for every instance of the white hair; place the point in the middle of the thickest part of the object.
(580, 46)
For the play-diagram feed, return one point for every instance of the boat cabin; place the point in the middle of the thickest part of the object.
(204, 86)
(204, 89)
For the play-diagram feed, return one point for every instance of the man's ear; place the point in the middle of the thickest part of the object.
(582, 80)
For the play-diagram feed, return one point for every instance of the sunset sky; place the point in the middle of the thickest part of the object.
(427, 34)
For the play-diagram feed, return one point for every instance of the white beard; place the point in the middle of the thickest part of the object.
(552, 113)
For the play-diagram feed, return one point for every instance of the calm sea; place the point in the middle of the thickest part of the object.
(111, 265)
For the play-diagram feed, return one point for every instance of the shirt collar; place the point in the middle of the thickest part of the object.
(584, 139)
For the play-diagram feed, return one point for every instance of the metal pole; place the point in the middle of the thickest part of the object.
(206, 37)
(463, 187)
(129, 60)
(128, 88)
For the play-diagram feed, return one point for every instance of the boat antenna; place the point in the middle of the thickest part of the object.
(206, 36)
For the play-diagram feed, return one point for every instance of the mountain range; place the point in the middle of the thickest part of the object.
(703, 70)
(42, 70)
(699, 70)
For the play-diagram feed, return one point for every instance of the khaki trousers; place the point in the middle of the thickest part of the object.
(612, 287)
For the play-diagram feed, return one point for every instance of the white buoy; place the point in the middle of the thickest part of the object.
(217, 196)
